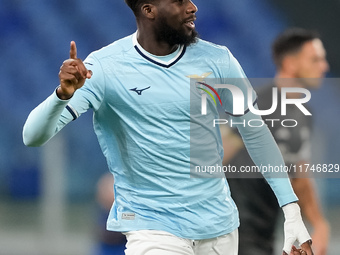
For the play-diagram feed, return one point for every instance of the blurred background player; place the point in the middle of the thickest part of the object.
(108, 242)
(300, 59)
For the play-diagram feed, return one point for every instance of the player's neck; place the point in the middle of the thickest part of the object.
(149, 43)
(286, 80)
(284, 75)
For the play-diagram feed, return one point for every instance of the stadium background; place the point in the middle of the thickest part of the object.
(47, 195)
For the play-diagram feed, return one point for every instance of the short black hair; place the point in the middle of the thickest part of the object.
(136, 4)
(290, 42)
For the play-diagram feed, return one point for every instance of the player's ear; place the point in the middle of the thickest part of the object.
(148, 10)
(289, 63)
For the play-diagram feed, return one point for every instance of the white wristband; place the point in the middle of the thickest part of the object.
(294, 228)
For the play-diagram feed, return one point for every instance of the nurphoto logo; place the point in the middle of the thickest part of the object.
(242, 99)
(239, 100)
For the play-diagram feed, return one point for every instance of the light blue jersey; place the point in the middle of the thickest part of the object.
(143, 119)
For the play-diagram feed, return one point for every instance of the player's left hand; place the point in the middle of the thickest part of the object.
(307, 247)
(296, 251)
(295, 230)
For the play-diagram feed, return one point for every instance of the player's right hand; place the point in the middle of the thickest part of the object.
(72, 75)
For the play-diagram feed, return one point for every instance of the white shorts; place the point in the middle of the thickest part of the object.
(154, 242)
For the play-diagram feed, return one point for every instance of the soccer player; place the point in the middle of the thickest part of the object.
(145, 114)
(301, 63)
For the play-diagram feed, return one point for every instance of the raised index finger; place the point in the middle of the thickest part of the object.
(73, 50)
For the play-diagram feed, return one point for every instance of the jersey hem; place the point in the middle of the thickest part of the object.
(178, 234)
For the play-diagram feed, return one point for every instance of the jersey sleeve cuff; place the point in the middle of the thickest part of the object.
(67, 106)
(287, 199)
(56, 95)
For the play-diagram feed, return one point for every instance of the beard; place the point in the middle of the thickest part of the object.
(173, 36)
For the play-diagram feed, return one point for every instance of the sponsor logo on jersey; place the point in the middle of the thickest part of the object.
(139, 91)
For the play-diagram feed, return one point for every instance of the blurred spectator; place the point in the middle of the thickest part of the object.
(301, 62)
(109, 242)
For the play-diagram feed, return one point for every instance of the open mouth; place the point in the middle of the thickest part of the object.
(190, 24)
